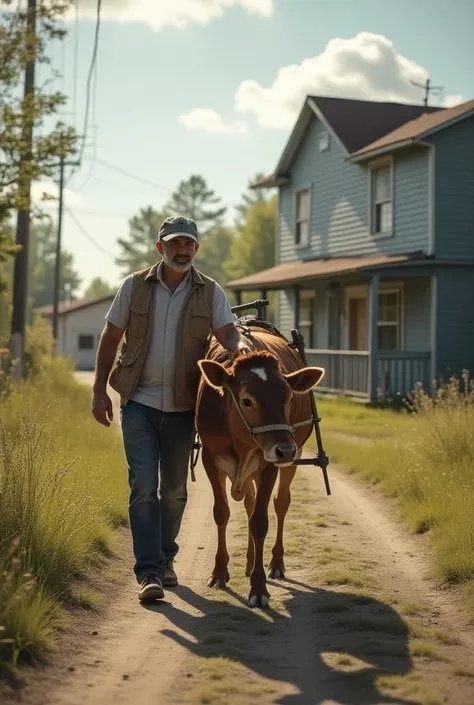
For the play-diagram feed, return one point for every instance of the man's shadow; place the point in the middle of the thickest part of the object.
(321, 626)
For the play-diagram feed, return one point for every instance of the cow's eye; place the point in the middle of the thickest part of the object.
(245, 402)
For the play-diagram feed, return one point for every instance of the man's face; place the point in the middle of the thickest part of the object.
(178, 253)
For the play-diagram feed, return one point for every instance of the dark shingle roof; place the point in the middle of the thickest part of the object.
(417, 127)
(357, 123)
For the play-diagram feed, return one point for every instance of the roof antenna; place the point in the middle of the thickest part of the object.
(428, 88)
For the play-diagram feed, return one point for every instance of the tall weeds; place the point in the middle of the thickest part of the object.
(426, 461)
(62, 489)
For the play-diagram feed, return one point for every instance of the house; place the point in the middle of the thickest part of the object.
(80, 324)
(375, 243)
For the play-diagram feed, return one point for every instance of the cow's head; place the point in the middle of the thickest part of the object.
(263, 394)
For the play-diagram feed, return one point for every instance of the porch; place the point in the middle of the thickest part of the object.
(348, 372)
(372, 331)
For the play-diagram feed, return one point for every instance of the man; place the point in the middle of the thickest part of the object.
(165, 313)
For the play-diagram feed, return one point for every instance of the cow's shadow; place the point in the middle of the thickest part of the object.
(307, 647)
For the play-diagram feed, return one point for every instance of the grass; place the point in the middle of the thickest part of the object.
(356, 419)
(61, 494)
(423, 459)
(225, 680)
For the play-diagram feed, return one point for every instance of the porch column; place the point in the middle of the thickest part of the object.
(238, 297)
(434, 335)
(373, 342)
(263, 293)
(296, 306)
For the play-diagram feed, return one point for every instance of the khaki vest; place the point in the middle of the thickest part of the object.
(193, 336)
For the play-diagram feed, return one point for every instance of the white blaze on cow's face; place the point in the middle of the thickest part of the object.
(264, 396)
(260, 372)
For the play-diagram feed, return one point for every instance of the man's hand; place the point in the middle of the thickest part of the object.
(102, 408)
(243, 347)
(230, 339)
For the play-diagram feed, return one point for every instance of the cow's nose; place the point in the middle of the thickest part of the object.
(286, 452)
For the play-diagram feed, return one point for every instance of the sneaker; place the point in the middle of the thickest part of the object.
(151, 588)
(170, 579)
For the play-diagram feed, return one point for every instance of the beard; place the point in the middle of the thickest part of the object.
(179, 263)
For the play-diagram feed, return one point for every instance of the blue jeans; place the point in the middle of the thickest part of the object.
(157, 446)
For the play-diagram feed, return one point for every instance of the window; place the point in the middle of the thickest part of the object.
(323, 142)
(307, 317)
(85, 342)
(381, 200)
(389, 321)
(302, 217)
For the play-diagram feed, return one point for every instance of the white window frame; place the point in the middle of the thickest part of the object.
(373, 167)
(362, 291)
(398, 290)
(296, 220)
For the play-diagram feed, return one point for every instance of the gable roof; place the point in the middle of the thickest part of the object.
(66, 307)
(359, 122)
(417, 129)
(358, 125)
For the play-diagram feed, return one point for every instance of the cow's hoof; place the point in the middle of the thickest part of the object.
(219, 583)
(258, 601)
(276, 573)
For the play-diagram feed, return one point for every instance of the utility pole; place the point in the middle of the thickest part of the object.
(57, 264)
(427, 88)
(20, 279)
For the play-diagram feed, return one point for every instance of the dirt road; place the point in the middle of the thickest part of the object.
(357, 621)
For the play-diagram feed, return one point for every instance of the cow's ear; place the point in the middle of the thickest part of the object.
(215, 374)
(304, 380)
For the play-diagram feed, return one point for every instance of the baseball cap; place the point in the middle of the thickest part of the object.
(178, 226)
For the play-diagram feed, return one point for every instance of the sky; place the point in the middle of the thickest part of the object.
(213, 87)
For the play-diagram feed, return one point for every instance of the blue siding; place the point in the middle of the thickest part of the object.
(417, 318)
(321, 322)
(286, 319)
(455, 321)
(340, 203)
(454, 189)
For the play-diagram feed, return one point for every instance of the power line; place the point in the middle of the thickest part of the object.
(103, 214)
(86, 235)
(89, 78)
(139, 179)
(94, 124)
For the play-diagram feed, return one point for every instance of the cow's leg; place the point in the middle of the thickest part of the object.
(220, 575)
(259, 527)
(249, 501)
(281, 503)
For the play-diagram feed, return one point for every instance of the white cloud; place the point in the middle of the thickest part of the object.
(42, 187)
(170, 13)
(207, 120)
(366, 66)
(452, 100)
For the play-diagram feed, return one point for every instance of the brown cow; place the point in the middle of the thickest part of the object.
(253, 416)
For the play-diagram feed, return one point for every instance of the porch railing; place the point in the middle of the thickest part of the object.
(399, 372)
(347, 371)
